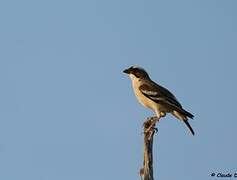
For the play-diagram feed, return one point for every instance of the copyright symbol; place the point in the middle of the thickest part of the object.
(213, 174)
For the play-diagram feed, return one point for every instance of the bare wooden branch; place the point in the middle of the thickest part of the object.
(146, 172)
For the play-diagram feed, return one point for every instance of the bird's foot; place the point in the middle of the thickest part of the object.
(150, 124)
(149, 121)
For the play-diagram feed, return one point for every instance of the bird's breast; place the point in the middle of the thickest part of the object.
(143, 99)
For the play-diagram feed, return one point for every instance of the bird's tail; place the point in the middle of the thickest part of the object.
(183, 115)
(189, 127)
(186, 113)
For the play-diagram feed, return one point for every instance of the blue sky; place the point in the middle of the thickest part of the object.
(68, 112)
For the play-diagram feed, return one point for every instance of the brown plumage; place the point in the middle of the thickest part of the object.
(156, 97)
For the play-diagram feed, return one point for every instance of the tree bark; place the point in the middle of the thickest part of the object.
(146, 172)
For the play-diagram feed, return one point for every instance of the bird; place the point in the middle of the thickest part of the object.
(155, 97)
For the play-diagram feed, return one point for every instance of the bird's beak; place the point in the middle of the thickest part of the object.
(127, 71)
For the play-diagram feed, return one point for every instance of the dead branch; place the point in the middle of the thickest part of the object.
(146, 172)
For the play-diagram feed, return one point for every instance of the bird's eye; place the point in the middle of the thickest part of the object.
(137, 74)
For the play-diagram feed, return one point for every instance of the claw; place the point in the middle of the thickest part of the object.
(152, 124)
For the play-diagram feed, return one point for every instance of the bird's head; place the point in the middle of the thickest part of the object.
(136, 71)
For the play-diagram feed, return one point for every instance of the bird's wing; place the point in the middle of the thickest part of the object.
(159, 94)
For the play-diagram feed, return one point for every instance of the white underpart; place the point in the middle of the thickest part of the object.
(136, 83)
(132, 77)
